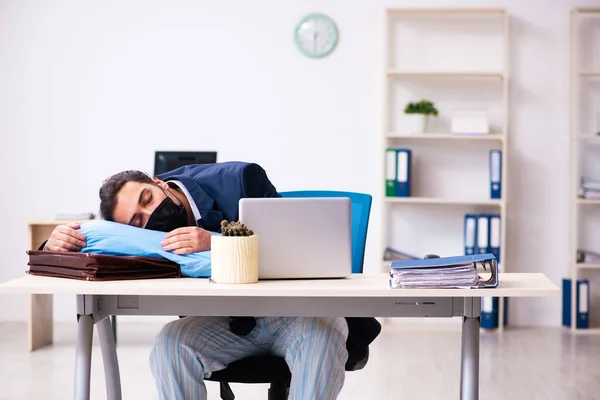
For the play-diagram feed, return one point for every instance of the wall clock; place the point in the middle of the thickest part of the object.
(316, 35)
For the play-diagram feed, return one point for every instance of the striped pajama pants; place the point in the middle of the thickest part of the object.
(189, 349)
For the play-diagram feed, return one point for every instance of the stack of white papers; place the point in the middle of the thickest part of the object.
(589, 188)
(586, 256)
(460, 277)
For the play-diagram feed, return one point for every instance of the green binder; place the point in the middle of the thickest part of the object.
(391, 171)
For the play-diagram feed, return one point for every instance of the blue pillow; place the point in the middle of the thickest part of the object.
(115, 239)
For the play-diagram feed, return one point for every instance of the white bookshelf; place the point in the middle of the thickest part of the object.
(446, 74)
(445, 136)
(471, 72)
(441, 201)
(445, 11)
(584, 149)
(587, 201)
(586, 137)
(587, 266)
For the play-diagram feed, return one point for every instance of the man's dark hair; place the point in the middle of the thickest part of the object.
(111, 187)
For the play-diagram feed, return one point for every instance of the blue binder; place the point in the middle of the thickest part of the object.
(496, 174)
(403, 172)
(490, 309)
(488, 241)
(582, 303)
(566, 302)
(483, 234)
(494, 236)
(470, 234)
(487, 260)
(489, 312)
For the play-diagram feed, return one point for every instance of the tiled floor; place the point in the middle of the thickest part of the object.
(407, 362)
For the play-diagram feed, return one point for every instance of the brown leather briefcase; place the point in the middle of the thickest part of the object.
(99, 267)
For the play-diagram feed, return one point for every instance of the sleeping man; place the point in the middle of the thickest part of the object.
(182, 209)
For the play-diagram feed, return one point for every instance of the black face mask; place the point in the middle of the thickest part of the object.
(168, 216)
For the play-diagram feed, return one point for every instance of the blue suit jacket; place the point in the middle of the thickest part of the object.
(218, 188)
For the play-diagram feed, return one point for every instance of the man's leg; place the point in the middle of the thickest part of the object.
(315, 351)
(189, 349)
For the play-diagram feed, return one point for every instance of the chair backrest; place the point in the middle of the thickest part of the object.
(361, 208)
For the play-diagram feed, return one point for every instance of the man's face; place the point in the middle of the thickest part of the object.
(137, 201)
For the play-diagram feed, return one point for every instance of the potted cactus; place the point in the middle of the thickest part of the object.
(234, 254)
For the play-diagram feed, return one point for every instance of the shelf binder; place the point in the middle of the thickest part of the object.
(496, 174)
(489, 312)
(470, 234)
(483, 234)
(494, 241)
(403, 172)
(490, 309)
(582, 303)
(566, 302)
(391, 161)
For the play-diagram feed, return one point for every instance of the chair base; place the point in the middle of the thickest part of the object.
(226, 392)
(278, 391)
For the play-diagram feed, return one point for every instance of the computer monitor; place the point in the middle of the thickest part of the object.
(165, 161)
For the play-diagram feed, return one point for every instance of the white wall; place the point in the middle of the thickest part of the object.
(91, 88)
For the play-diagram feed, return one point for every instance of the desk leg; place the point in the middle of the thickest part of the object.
(83, 357)
(40, 321)
(469, 363)
(109, 359)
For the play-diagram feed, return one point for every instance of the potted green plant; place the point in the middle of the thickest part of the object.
(234, 254)
(417, 113)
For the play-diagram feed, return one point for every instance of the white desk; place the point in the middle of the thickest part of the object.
(358, 296)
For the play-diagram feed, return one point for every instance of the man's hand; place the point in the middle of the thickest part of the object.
(186, 240)
(66, 238)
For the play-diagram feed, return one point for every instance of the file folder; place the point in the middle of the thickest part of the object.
(483, 234)
(566, 302)
(582, 303)
(433, 269)
(403, 173)
(470, 234)
(391, 161)
(494, 242)
(496, 174)
(489, 312)
(492, 320)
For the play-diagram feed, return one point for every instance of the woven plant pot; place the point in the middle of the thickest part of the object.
(234, 259)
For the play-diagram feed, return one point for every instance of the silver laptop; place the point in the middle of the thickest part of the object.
(301, 237)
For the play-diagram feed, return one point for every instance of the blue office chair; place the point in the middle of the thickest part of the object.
(274, 370)
(361, 208)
